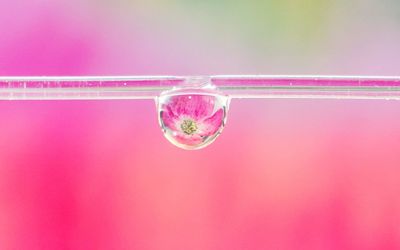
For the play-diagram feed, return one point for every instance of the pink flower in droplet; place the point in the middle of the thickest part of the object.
(192, 119)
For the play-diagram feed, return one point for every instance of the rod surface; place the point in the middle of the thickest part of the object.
(235, 86)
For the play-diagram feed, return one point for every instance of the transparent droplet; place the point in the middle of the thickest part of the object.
(192, 118)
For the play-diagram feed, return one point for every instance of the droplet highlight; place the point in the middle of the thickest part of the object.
(192, 118)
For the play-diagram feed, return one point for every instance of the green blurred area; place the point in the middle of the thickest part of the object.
(270, 36)
(300, 23)
(273, 21)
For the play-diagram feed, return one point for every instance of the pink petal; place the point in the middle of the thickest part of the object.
(190, 140)
(195, 106)
(213, 124)
(168, 119)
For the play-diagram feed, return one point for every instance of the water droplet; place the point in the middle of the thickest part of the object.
(192, 118)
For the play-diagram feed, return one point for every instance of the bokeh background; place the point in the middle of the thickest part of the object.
(285, 174)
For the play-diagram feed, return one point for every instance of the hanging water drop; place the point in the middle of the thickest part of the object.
(192, 118)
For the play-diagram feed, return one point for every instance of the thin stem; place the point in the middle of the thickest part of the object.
(338, 87)
(68, 88)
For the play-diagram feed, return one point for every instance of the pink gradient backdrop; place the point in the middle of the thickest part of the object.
(285, 174)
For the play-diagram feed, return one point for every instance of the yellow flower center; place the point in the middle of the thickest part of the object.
(188, 126)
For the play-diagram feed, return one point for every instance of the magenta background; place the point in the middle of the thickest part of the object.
(285, 174)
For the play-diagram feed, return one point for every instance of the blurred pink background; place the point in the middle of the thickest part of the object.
(285, 174)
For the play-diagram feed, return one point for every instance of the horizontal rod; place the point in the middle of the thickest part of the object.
(234, 86)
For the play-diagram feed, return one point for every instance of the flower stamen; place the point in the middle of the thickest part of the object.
(188, 126)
